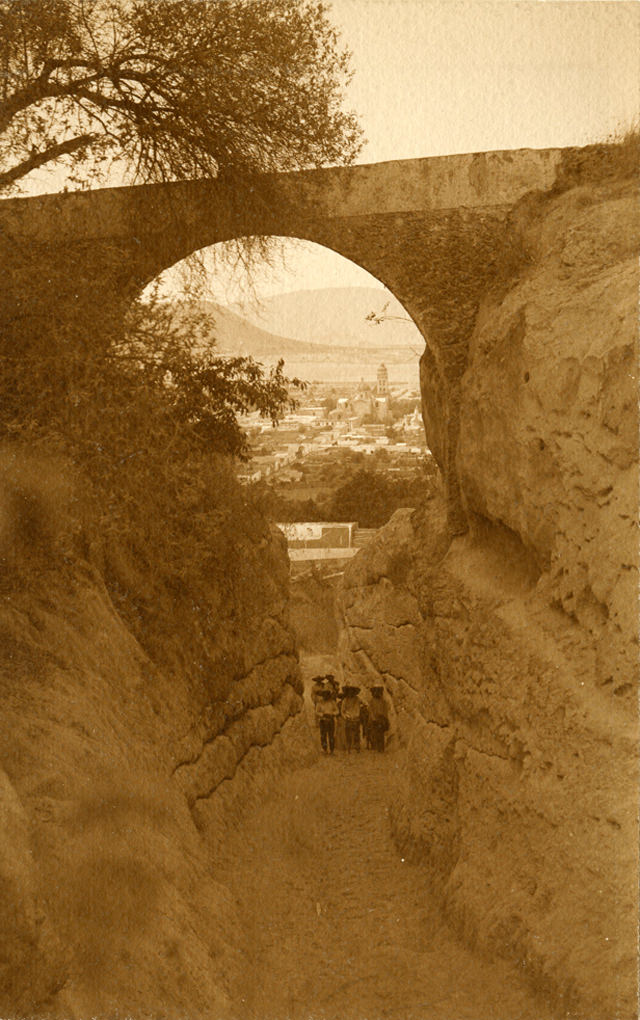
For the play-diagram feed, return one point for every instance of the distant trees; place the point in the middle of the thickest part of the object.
(277, 507)
(171, 89)
(401, 406)
(366, 498)
(330, 403)
(371, 497)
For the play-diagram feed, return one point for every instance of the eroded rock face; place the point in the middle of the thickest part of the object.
(381, 642)
(549, 424)
(519, 789)
(519, 654)
(115, 794)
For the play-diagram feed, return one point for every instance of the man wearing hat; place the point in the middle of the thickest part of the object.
(332, 682)
(326, 712)
(350, 711)
(317, 687)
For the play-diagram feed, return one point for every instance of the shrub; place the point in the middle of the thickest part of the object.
(615, 159)
(145, 424)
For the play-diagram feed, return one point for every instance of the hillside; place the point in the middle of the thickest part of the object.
(312, 361)
(334, 315)
(237, 335)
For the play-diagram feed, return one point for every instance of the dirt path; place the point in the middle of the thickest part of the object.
(338, 924)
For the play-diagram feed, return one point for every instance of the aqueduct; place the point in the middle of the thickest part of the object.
(435, 231)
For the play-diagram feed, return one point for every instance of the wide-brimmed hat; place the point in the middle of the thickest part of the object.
(351, 689)
(317, 679)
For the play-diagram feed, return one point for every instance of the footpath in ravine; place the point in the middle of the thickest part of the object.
(338, 925)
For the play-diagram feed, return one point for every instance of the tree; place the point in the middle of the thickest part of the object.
(370, 497)
(383, 316)
(170, 349)
(163, 371)
(330, 403)
(402, 406)
(169, 89)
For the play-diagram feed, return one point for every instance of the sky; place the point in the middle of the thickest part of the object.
(453, 77)
(440, 78)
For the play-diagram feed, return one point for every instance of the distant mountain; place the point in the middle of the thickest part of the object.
(336, 316)
(236, 335)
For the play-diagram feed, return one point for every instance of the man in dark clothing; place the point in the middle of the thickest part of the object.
(364, 724)
(378, 718)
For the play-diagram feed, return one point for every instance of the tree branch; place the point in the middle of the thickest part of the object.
(39, 89)
(38, 159)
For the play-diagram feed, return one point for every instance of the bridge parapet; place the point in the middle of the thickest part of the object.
(437, 183)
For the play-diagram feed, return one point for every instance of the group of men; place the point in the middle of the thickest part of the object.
(344, 718)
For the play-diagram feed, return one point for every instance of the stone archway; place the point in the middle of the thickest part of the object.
(433, 231)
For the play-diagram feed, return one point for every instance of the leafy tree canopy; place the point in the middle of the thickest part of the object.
(169, 350)
(167, 89)
(370, 497)
(162, 369)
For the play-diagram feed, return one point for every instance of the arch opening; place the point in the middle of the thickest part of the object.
(342, 331)
(327, 315)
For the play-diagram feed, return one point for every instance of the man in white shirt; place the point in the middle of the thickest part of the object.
(326, 712)
(350, 711)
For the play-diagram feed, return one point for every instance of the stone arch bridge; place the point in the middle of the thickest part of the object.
(437, 232)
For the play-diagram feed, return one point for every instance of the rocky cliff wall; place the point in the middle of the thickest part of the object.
(511, 650)
(120, 777)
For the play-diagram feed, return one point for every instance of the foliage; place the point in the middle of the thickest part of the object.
(162, 373)
(171, 89)
(143, 424)
(171, 347)
(277, 507)
(371, 497)
(330, 403)
(401, 406)
(615, 159)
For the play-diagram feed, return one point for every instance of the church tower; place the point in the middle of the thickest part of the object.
(382, 386)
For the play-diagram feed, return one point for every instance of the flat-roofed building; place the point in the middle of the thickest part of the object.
(320, 534)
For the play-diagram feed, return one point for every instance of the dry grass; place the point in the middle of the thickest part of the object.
(617, 158)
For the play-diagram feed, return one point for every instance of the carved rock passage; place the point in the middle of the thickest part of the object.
(339, 924)
(513, 666)
(115, 792)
